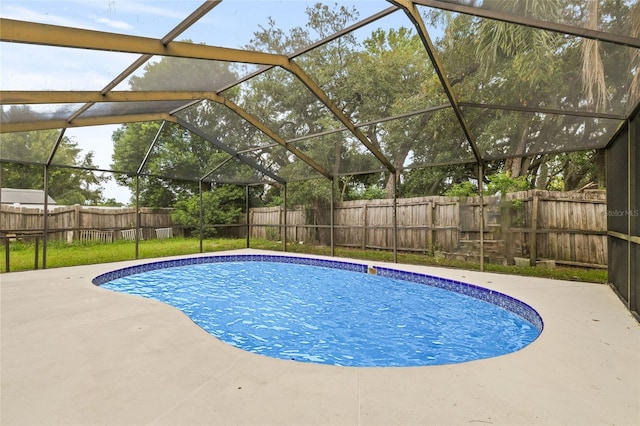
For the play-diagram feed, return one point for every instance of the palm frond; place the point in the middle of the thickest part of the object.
(593, 81)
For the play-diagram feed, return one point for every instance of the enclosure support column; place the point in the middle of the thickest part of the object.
(76, 222)
(284, 219)
(481, 192)
(201, 218)
(45, 223)
(395, 217)
(247, 208)
(6, 238)
(137, 214)
(46, 195)
(333, 181)
(7, 256)
(631, 188)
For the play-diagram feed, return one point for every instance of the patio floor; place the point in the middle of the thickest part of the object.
(73, 353)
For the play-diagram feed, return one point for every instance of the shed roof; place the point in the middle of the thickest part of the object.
(24, 196)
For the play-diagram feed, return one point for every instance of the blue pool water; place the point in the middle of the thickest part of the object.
(332, 316)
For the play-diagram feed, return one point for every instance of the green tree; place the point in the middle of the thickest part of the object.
(530, 67)
(299, 111)
(76, 184)
(385, 75)
(111, 202)
(462, 189)
(428, 181)
(179, 158)
(503, 183)
(574, 170)
(394, 76)
(222, 204)
(131, 143)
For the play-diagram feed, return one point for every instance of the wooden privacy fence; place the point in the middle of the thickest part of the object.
(82, 223)
(266, 223)
(567, 227)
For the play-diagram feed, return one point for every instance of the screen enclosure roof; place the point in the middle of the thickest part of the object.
(270, 91)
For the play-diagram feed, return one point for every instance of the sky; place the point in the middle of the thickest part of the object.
(230, 24)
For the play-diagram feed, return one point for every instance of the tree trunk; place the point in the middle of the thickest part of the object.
(403, 152)
(543, 178)
(398, 161)
(516, 166)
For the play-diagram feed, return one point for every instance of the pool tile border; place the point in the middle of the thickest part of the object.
(152, 266)
(502, 300)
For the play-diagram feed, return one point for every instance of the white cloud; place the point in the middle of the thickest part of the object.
(120, 25)
(134, 7)
(31, 67)
(175, 9)
(24, 14)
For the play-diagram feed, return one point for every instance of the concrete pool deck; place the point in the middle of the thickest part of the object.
(76, 354)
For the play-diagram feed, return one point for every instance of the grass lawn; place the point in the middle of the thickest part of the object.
(59, 254)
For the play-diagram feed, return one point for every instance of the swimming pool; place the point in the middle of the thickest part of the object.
(334, 312)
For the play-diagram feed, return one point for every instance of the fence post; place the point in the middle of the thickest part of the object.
(364, 226)
(431, 210)
(533, 233)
